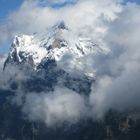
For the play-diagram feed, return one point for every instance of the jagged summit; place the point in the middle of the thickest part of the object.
(62, 25)
(53, 44)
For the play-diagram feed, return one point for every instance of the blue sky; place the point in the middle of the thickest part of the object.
(7, 6)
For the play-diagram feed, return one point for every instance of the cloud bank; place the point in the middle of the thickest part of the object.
(58, 107)
(84, 16)
(118, 73)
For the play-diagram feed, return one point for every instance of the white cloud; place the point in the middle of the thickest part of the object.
(11, 74)
(118, 81)
(55, 108)
(60, 1)
(87, 15)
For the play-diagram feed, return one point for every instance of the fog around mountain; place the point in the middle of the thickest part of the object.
(70, 67)
(109, 24)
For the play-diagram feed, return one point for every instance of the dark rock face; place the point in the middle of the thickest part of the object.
(115, 126)
(14, 126)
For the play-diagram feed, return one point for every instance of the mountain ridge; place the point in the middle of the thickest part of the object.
(56, 43)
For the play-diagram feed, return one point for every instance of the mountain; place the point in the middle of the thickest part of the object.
(56, 43)
(59, 53)
(57, 57)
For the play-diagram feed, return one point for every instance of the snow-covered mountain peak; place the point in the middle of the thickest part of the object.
(25, 48)
(55, 43)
